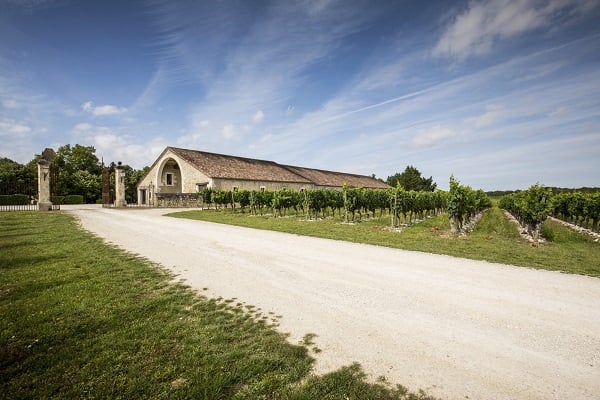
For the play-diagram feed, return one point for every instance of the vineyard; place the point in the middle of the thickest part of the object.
(463, 205)
(533, 206)
(355, 204)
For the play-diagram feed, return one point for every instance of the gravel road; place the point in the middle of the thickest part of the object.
(456, 328)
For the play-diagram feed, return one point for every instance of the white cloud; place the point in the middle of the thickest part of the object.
(107, 141)
(228, 132)
(107, 109)
(11, 104)
(475, 31)
(258, 117)
(492, 114)
(11, 128)
(433, 135)
(82, 127)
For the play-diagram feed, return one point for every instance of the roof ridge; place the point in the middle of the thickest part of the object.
(330, 171)
(224, 155)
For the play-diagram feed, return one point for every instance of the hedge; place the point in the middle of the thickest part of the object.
(14, 199)
(73, 199)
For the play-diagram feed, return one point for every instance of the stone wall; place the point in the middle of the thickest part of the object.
(229, 184)
(179, 200)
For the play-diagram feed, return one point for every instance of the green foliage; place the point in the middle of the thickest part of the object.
(78, 172)
(411, 179)
(87, 185)
(73, 199)
(16, 178)
(14, 199)
(75, 170)
(132, 177)
(581, 208)
(548, 232)
(324, 203)
(463, 204)
(531, 207)
(57, 199)
(412, 204)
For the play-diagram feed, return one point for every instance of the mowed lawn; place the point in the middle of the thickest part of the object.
(81, 319)
(495, 239)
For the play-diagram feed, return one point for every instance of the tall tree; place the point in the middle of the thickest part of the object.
(411, 179)
(72, 162)
(16, 178)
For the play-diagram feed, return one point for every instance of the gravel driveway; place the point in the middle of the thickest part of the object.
(456, 328)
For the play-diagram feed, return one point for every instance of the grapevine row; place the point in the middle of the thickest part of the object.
(352, 203)
(464, 204)
(531, 207)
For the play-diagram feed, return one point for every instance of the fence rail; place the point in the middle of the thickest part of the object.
(25, 207)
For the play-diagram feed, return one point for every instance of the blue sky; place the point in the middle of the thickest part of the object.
(503, 93)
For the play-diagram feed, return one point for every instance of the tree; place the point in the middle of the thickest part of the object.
(16, 178)
(78, 158)
(87, 185)
(411, 179)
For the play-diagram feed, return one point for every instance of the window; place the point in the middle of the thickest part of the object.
(235, 188)
(169, 179)
(200, 186)
(262, 188)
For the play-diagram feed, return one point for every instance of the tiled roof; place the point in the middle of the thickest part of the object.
(232, 167)
(337, 179)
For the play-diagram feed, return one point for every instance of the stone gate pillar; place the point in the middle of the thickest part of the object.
(44, 161)
(44, 203)
(120, 186)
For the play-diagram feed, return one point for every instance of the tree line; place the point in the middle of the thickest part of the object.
(76, 170)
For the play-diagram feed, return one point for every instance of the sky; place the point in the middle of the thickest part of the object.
(503, 94)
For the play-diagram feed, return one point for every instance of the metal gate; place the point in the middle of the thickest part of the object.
(107, 194)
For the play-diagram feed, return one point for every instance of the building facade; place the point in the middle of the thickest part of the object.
(178, 175)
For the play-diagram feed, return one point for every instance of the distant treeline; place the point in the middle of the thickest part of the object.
(554, 190)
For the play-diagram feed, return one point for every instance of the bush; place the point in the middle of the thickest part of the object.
(14, 199)
(57, 199)
(73, 199)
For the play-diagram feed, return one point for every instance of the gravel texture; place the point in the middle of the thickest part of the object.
(456, 328)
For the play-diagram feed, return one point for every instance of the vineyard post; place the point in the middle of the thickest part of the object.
(395, 210)
(306, 204)
(345, 189)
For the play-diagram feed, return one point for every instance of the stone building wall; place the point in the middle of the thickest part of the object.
(179, 200)
(229, 184)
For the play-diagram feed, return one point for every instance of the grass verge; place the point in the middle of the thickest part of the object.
(81, 319)
(495, 239)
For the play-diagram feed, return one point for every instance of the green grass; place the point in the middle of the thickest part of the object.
(495, 239)
(81, 319)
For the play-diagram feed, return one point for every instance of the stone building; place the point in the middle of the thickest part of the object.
(177, 176)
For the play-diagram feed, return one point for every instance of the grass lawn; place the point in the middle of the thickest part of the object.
(495, 239)
(80, 319)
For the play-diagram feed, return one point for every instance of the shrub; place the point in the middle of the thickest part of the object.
(14, 199)
(57, 199)
(73, 199)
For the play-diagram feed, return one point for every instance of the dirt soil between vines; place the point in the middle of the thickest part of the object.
(453, 327)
